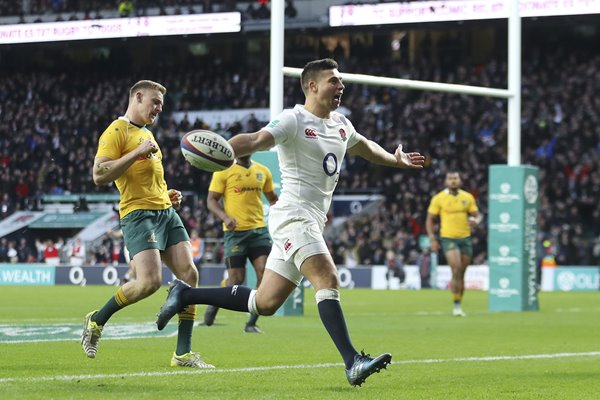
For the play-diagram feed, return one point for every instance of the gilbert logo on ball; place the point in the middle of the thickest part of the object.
(207, 150)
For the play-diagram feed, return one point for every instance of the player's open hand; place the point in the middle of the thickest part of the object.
(409, 160)
(176, 197)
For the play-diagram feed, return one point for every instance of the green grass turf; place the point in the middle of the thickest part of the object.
(415, 326)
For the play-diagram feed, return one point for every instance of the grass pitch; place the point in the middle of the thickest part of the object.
(550, 354)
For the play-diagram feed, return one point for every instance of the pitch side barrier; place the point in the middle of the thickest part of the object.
(568, 278)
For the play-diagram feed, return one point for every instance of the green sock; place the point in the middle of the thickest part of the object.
(184, 336)
(103, 315)
(252, 320)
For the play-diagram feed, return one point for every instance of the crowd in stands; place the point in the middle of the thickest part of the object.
(50, 124)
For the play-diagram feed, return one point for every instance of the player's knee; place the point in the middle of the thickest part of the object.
(192, 275)
(328, 281)
(268, 307)
(327, 294)
(189, 275)
(149, 286)
(266, 311)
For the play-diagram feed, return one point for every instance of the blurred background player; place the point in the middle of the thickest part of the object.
(458, 213)
(154, 233)
(245, 233)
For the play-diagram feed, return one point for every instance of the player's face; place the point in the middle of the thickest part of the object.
(150, 105)
(330, 89)
(453, 181)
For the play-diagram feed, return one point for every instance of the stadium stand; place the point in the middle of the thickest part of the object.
(60, 10)
(50, 123)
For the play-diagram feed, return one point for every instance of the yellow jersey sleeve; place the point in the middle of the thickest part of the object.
(111, 142)
(218, 183)
(472, 204)
(434, 206)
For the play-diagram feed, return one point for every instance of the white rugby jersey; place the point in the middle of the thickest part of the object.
(311, 151)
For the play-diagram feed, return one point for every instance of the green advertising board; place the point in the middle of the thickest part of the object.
(512, 234)
(294, 305)
(65, 220)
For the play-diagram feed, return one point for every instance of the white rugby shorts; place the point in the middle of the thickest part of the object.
(293, 242)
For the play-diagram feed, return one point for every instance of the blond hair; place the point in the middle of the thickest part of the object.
(146, 84)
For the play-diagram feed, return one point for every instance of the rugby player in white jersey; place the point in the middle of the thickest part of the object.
(311, 140)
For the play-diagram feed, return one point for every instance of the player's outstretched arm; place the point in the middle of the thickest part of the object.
(247, 143)
(371, 151)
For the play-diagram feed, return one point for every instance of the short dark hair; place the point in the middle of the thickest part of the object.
(452, 172)
(313, 68)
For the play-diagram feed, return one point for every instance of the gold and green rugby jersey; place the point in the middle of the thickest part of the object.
(242, 190)
(142, 186)
(454, 212)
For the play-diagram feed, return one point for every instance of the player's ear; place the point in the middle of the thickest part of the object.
(139, 96)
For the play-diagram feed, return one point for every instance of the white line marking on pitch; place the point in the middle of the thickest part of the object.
(281, 367)
(78, 339)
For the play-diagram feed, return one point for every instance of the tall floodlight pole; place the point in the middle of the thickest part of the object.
(277, 40)
(514, 85)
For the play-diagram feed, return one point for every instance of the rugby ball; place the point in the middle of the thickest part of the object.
(207, 150)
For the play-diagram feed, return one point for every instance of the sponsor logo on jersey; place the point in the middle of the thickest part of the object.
(246, 189)
(343, 135)
(287, 245)
(310, 133)
(273, 123)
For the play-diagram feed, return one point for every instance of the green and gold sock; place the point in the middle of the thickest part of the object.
(117, 302)
(184, 334)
